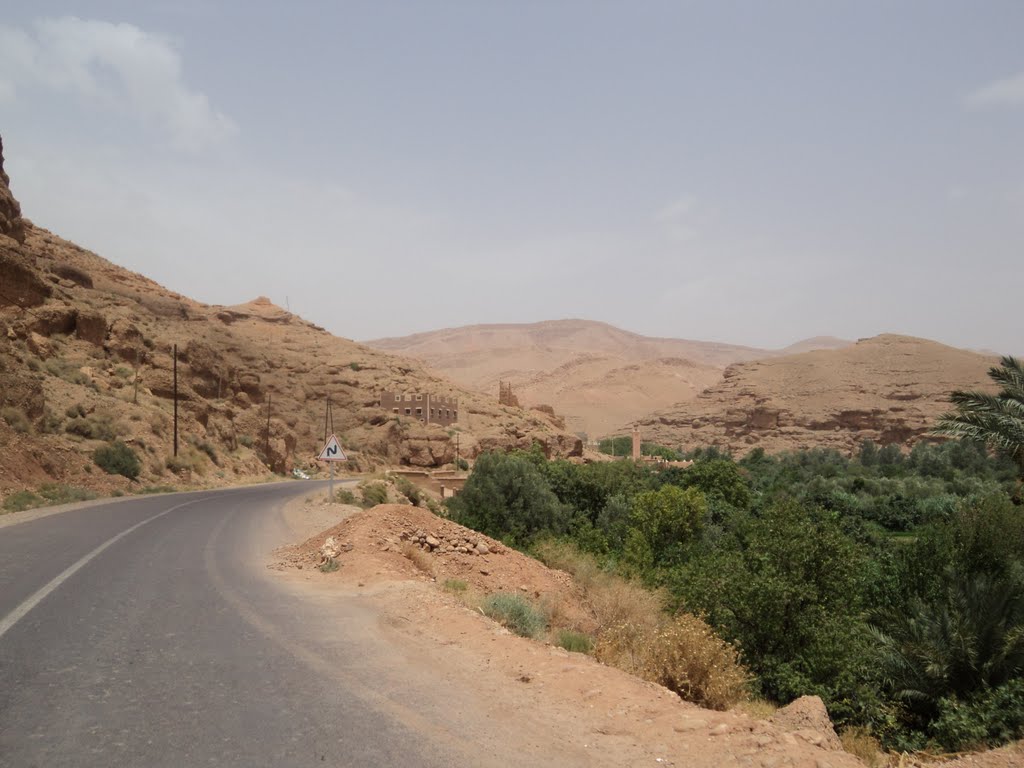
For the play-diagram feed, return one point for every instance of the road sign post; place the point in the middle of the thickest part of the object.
(331, 453)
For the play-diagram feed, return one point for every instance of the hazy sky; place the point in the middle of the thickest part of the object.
(752, 172)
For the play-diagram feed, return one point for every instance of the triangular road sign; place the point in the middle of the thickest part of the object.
(332, 451)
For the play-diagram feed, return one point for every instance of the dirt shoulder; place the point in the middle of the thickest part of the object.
(559, 698)
(567, 698)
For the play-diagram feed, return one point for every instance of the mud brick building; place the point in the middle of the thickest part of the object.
(430, 409)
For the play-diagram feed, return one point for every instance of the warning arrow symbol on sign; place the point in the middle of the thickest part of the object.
(332, 451)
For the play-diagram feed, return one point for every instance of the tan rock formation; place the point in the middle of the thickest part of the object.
(11, 223)
(889, 389)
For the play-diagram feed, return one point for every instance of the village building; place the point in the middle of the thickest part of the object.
(424, 407)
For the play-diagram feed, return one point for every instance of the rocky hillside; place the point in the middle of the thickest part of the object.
(595, 375)
(86, 356)
(889, 389)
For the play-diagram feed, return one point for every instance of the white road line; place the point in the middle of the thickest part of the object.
(37, 597)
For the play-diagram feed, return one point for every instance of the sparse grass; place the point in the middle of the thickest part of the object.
(22, 500)
(419, 558)
(860, 743)
(759, 709)
(150, 489)
(406, 487)
(374, 494)
(16, 418)
(68, 371)
(684, 655)
(188, 459)
(94, 427)
(51, 423)
(456, 586)
(47, 495)
(206, 447)
(577, 642)
(345, 496)
(330, 566)
(514, 612)
(58, 493)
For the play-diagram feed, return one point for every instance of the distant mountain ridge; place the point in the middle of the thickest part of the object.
(889, 388)
(594, 374)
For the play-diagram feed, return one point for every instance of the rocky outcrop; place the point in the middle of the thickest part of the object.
(889, 389)
(11, 223)
(807, 719)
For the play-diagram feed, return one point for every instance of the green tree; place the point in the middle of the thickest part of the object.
(789, 587)
(507, 497)
(661, 525)
(996, 420)
(969, 641)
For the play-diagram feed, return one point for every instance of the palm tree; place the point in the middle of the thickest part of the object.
(996, 420)
(968, 640)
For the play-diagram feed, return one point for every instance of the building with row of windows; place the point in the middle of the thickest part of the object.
(430, 409)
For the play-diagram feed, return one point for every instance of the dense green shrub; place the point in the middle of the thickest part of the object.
(507, 498)
(118, 459)
(993, 717)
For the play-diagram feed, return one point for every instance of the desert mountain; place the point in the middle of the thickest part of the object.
(595, 375)
(889, 389)
(77, 332)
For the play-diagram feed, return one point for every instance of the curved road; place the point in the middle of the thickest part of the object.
(147, 632)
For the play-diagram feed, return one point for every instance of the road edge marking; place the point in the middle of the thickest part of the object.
(40, 594)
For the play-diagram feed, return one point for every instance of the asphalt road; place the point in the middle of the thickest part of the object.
(148, 632)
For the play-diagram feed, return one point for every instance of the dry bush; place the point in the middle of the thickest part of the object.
(419, 558)
(16, 418)
(612, 600)
(759, 709)
(860, 743)
(684, 655)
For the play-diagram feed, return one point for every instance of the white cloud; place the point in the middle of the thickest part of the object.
(112, 66)
(1008, 92)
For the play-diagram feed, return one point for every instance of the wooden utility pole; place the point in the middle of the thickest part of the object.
(175, 399)
(266, 440)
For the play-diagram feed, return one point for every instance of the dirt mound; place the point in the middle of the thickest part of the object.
(381, 536)
(889, 389)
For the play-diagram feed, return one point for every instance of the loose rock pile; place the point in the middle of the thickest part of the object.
(459, 543)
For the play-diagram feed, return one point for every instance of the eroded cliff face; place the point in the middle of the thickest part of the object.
(889, 389)
(11, 223)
